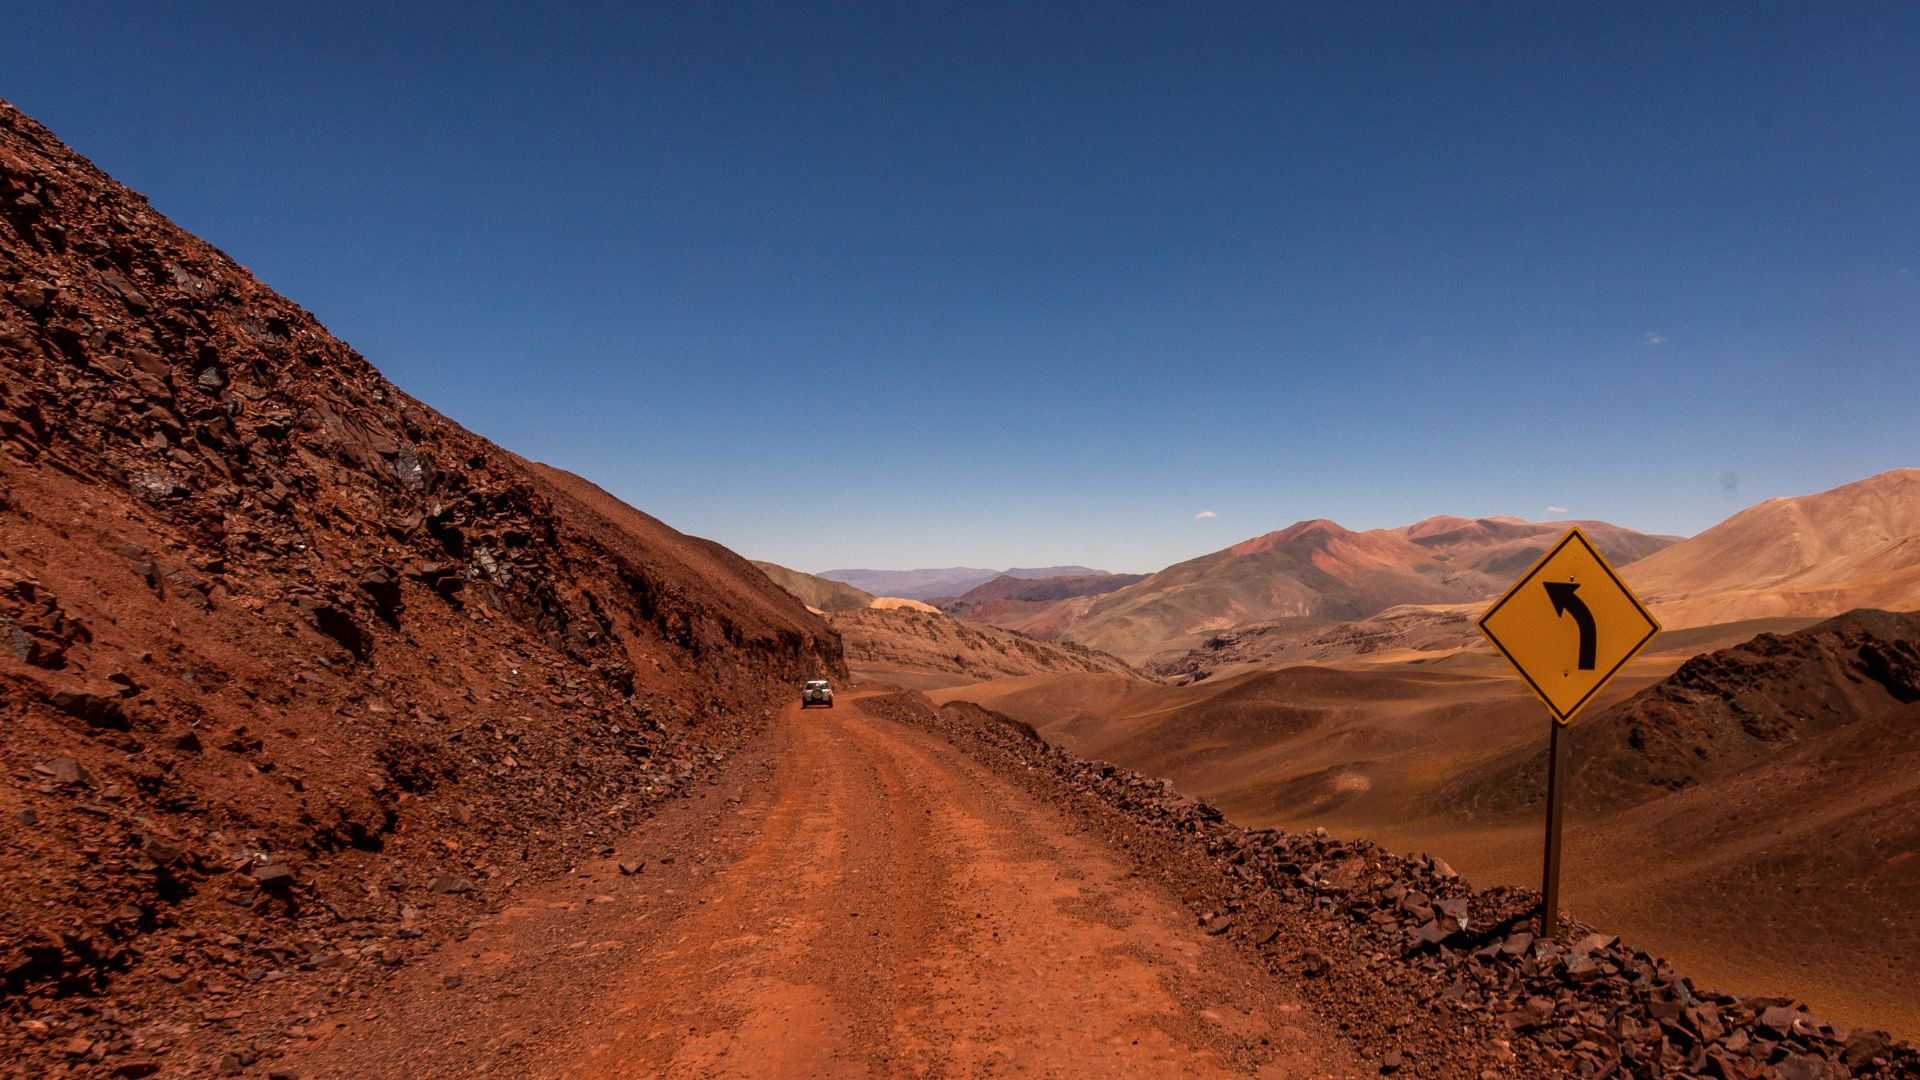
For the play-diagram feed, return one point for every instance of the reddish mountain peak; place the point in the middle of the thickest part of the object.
(1316, 527)
(1433, 526)
(1314, 532)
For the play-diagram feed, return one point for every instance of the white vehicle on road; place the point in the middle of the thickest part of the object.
(816, 692)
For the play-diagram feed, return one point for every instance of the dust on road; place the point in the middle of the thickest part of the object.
(857, 899)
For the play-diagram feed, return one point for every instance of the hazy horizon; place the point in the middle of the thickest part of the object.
(1555, 519)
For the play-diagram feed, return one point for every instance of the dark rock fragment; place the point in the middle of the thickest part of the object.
(382, 586)
(98, 710)
(1434, 933)
(165, 854)
(275, 877)
(1810, 1067)
(1865, 1044)
(1594, 943)
(66, 770)
(448, 883)
(338, 624)
(1779, 1018)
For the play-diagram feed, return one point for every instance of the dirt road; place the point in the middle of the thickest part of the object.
(852, 898)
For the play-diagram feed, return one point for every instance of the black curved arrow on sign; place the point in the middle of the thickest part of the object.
(1564, 601)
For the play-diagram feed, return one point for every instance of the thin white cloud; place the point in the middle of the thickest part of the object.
(1656, 339)
(1557, 510)
(1204, 515)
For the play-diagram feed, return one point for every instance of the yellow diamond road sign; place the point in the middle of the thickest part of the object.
(1569, 625)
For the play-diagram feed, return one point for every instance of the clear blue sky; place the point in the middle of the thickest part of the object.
(918, 285)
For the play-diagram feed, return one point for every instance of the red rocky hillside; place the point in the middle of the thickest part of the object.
(296, 673)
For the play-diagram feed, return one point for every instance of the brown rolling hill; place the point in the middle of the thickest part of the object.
(1850, 679)
(1502, 547)
(1317, 573)
(1747, 811)
(818, 593)
(299, 675)
(918, 649)
(1857, 545)
(1404, 633)
(1007, 588)
(1037, 607)
(947, 581)
(1803, 558)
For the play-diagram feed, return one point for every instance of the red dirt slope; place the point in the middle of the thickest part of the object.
(299, 675)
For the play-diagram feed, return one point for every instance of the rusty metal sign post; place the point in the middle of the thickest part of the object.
(1567, 626)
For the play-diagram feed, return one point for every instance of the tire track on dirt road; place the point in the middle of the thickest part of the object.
(859, 899)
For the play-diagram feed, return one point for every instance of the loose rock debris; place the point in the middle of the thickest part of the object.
(297, 677)
(1407, 957)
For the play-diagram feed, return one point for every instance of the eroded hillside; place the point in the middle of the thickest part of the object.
(299, 674)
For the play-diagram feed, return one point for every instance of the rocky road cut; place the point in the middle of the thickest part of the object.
(853, 897)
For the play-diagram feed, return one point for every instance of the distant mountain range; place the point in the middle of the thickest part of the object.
(905, 642)
(1322, 573)
(1318, 590)
(817, 593)
(950, 581)
(1008, 588)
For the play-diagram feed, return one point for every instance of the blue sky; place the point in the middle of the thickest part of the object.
(1025, 284)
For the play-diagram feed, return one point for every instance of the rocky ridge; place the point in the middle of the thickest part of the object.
(1723, 712)
(1434, 977)
(298, 674)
